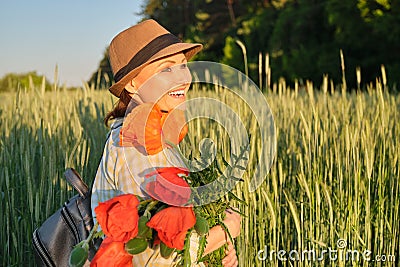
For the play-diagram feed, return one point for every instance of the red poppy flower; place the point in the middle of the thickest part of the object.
(142, 129)
(172, 224)
(148, 128)
(168, 186)
(111, 253)
(118, 217)
(174, 126)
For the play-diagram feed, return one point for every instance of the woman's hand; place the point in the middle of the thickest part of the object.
(230, 259)
(232, 222)
(217, 236)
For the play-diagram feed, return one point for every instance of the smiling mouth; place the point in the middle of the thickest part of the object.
(179, 93)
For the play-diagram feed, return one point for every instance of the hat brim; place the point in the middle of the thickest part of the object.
(188, 49)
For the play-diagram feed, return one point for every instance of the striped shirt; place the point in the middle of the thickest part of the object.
(122, 171)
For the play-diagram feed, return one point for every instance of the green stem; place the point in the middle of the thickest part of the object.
(94, 230)
(179, 152)
(144, 202)
(149, 207)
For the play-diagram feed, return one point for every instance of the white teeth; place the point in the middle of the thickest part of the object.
(177, 93)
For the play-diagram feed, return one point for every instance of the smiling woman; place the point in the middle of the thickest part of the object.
(151, 82)
(164, 82)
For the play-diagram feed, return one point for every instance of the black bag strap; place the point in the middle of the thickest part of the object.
(76, 181)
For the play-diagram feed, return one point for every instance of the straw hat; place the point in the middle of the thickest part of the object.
(134, 48)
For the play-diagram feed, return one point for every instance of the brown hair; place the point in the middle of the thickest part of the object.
(119, 108)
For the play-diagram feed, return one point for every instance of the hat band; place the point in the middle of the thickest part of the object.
(146, 53)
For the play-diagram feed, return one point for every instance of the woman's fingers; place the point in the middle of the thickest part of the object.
(230, 247)
(232, 220)
(230, 260)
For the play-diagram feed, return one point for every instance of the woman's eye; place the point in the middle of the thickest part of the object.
(183, 66)
(166, 70)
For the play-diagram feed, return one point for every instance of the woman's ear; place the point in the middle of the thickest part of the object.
(131, 87)
(133, 91)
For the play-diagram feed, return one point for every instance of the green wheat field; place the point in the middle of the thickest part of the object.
(335, 176)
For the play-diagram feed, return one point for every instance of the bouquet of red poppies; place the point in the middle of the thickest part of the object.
(174, 209)
(131, 224)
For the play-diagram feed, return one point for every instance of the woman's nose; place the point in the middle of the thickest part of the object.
(181, 74)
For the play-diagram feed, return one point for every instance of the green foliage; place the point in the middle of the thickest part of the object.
(103, 77)
(383, 16)
(174, 15)
(136, 245)
(202, 21)
(302, 37)
(25, 81)
(214, 21)
(41, 134)
(232, 53)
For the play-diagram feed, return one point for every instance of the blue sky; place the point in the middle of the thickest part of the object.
(37, 35)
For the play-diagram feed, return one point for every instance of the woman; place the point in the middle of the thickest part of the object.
(136, 55)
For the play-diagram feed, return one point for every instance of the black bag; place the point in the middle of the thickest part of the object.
(54, 240)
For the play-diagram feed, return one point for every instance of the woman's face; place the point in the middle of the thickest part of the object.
(169, 83)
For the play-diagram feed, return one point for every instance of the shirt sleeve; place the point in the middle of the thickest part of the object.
(105, 185)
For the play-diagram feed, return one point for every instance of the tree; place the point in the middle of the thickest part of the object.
(174, 15)
(206, 22)
(301, 42)
(383, 16)
(302, 37)
(103, 77)
(295, 34)
(254, 30)
(215, 19)
(11, 82)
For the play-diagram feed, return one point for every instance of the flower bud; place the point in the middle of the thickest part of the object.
(201, 225)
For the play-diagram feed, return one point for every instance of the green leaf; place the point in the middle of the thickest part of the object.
(165, 250)
(98, 234)
(236, 178)
(186, 260)
(240, 167)
(202, 246)
(232, 195)
(136, 246)
(78, 257)
(144, 230)
(227, 231)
